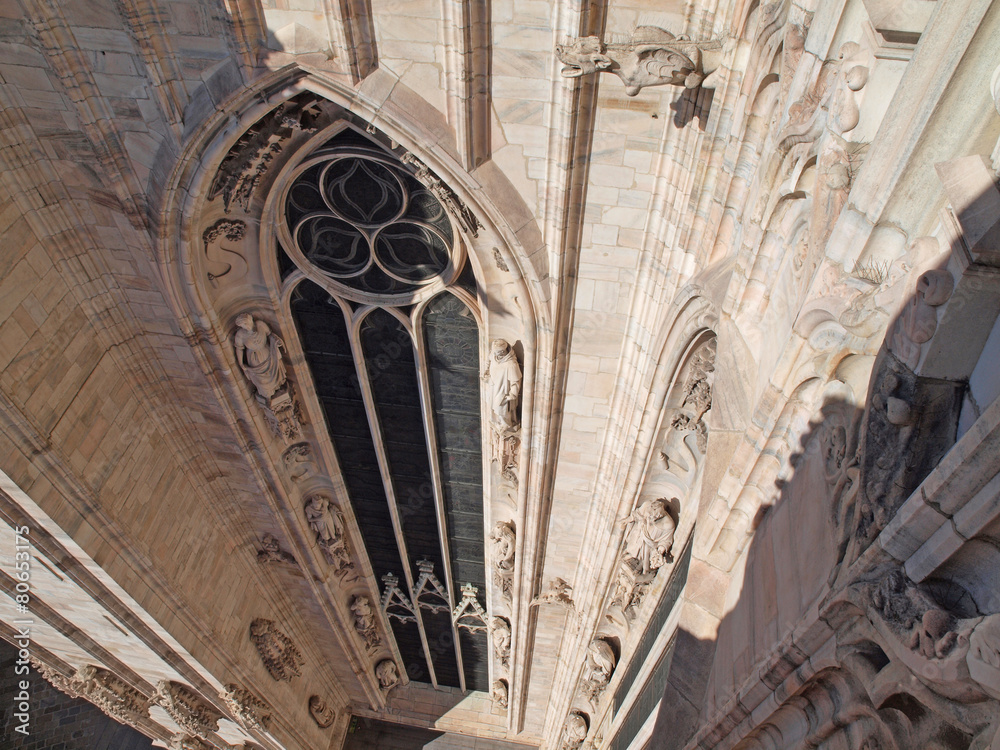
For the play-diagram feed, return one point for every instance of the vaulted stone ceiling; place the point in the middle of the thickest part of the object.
(520, 370)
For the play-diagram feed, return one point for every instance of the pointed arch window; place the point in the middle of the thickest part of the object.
(384, 303)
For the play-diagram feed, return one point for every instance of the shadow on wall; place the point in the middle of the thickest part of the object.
(371, 734)
(829, 644)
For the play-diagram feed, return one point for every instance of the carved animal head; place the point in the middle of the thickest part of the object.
(583, 57)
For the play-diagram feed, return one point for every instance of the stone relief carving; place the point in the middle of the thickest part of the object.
(247, 162)
(327, 522)
(503, 375)
(652, 57)
(499, 694)
(500, 629)
(271, 551)
(469, 613)
(395, 604)
(631, 587)
(364, 622)
(322, 714)
(933, 637)
(258, 352)
(649, 535)
(455, 206)
(597, 669)
(909, 424)
(500, 262)
(192, 713)
(233, 230)
(182, 741)
(249, 710)
(298, 462)
(503, 539)
(557, 592)
(697, 395)
(387, 674)
(574, 731)
(277, 651)
(917, 322)
(983, 658)
(104, 689)
(428, 592)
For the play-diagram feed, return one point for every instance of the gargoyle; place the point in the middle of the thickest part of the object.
(653, 57)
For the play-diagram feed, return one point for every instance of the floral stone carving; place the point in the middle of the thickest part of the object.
(280, 656)
(192, 713)
(503, 375)
(322, 714)
(248, 709)
(652, 57)
(454, 205)
(697, 395)
(103, 688)
(327, 521)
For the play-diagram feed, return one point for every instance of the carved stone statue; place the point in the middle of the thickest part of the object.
(574, 731)
(280, 656)
(258, 352)
(504, 377)
(652, 57)
(109, 693)
(322, 714)
(364, 622)
(327, 522)
(387, 674)
(501, 640)
(248, 709)
(649, 534)
(933, 638)
(598, 668)
(271, 551)
(190, 711)
(631, 586)
(499, 694)
(503, 539)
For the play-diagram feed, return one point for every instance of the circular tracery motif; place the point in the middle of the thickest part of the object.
(368, 225)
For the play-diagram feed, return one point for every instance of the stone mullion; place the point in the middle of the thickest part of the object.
(433, 456)
(375, 426)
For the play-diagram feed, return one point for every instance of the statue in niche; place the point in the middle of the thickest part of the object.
(503, 539)
(271, 552)
(649, 534)
(697, 395)
(631, 587)
(574, 731)
(279, 655)
(501, 640)
(598, 668)
(364, 622)
(327, 522)
(258, 352)
(322, 714)
(503, 375)
(387, 674)
(652, 57)
(499, 694)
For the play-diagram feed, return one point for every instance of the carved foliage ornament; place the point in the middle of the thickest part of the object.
(249, 710)
(455, 206)
(652, 57)
(192, 713)
(104, 689)
(279, 655)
